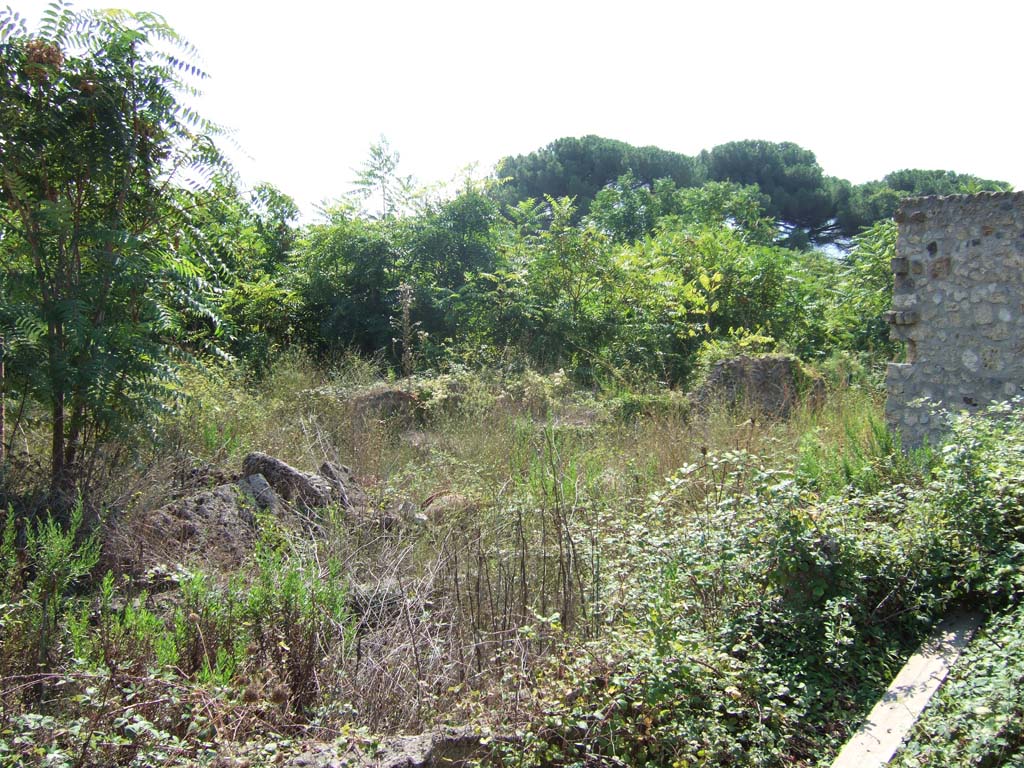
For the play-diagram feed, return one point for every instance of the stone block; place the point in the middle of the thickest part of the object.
(996, 332)
(900, 266)
(899, 370)
(970, 360)
(940, 268)
(983, 314)
(901, 317)
(904, 300)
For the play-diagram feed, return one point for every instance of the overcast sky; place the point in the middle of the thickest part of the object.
(870, 87)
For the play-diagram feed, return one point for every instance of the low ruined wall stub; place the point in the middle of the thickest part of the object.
(958, 304)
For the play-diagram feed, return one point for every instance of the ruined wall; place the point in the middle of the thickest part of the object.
(959, 306)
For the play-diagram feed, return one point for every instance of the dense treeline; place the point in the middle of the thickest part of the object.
(642, 284)
(810, 206)
(600, 257)
(643, 281)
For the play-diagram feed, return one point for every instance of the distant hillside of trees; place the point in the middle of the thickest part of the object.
(814, 208)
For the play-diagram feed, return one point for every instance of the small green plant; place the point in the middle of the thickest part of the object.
(38, 582)
(867, 458)
(738, 341)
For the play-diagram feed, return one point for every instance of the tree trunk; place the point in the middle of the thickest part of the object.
(58, 479)
(3, 404)
(73, 435)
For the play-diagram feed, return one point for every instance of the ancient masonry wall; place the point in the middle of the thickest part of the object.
(958, 304)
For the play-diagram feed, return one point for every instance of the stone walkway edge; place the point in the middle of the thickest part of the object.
(876, 741)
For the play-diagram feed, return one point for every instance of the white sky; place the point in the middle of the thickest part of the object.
(870, 87)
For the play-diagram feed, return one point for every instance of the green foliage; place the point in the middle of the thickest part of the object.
(752, 287)
(758, 623)
(134, 681)
(569, 276)
(598, 309)
(347, 273)
(868, 460)
(975, 719)
(798, 192)
(96, 292)
(274, 624)
(862, 291)
(862, 205)
(629, 210)
(572, 298)
(605, 288)
(352, 272)
(578, 168)
(37, 586)
(616, 185)
(721, 203)
(378, 181)
(739, 341)
(249, 237)
(245, 234)
(564, 295)
(917, 183)
(262, 315)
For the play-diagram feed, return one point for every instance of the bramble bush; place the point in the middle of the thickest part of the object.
(758, 623)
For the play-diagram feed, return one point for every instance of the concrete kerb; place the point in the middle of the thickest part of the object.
(876, 741)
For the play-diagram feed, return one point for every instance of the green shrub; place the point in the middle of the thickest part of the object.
(758, 623)
(274, 622)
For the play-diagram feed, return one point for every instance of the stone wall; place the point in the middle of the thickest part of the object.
(958, 304)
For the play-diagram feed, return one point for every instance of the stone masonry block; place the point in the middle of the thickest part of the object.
(960, 259)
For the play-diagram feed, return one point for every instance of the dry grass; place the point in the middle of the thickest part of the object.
(463, 610)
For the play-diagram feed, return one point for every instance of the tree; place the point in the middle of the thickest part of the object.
(630, 210)
(95, 144)
(917, 182)
(580, 167)
(251, 236)
(627, 209)
(723, 204)
(378, 179)
(862, 205)
(862, 291)
(799, 194)
(347, 274)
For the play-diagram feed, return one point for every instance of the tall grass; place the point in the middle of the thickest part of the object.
(518, 495)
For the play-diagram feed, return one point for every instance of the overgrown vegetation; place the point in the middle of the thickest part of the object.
(559, 546)
(655, 589)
